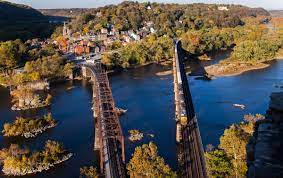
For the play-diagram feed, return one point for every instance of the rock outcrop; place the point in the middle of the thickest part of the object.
(265, 158)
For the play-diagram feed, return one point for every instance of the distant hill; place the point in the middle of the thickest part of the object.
(21, 21)
(74, 12)
(70, 13)
(276, 13)
(11, 13)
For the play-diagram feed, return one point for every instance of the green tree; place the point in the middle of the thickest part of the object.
(48, 99)
(218, 164)
(68, 69)
(97, 27)
(256, 51)
(88, 172)
(233, 142)
(146, 163)
(9, 55)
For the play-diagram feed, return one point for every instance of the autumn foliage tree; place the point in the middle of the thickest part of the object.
(146, 163)
(234, 142)
(230, 158)
(88, 172)
(10, 54)
(150, 49)
(20, 161)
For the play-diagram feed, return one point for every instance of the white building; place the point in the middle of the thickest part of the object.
(135, 36)
(223, 8)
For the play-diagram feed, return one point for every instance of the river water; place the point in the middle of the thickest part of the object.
(149, 100)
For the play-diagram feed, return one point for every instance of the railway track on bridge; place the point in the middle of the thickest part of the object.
(189, 145)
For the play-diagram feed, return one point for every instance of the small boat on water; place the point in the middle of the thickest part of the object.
(239, 106)
(70, 88)
(121, 111)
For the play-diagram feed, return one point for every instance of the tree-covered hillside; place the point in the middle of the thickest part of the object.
(21, 21)
(10, 13)
(167, 18)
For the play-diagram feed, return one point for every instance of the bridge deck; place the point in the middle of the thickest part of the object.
(190, 148)
(111, 140)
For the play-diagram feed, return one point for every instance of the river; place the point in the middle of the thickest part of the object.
(149, 100)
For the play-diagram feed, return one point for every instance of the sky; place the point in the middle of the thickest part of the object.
(51, 4)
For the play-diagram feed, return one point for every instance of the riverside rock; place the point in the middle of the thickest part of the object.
(36, 132)
(135, 135)
(38, 168)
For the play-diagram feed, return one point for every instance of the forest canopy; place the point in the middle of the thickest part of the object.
(166, 18)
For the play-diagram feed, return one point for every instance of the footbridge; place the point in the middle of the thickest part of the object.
(189, 145)
(109, 139)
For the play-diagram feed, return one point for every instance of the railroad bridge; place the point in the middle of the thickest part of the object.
(109, 139)
(189, 145)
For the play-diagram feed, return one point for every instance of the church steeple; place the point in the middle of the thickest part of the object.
(65, 29)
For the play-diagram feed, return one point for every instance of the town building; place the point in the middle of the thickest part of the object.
(223, 8)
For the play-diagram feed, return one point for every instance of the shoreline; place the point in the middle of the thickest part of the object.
(17, 108)
(164, 73)
(220, 70)
(33, 133)
(39, 168)
(162, 63)
(234, 69)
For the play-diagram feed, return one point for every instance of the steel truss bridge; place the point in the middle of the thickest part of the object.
(109, 139)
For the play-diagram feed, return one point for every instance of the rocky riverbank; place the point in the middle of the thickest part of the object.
(264, 152)
(135, 135)
(10, 171)
(226, 68)
(16, 107)
(33, 133)
(25, 97)
(164, 73)
(233, 69)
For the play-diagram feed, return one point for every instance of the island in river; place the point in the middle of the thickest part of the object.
(253, 52)
(234, 68)
(19, 162)
(29, 127)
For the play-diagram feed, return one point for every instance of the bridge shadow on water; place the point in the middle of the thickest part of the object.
(194, 66)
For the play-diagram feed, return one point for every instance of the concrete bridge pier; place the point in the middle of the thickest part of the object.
(84, 71)
(96, 138)
(95, 115)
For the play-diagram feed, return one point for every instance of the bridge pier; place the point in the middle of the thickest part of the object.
(95, 115)
(84, 71)
(94, 102)
(97, 138)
